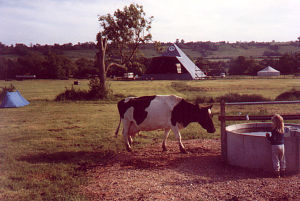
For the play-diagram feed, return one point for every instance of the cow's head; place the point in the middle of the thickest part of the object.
(204, 118)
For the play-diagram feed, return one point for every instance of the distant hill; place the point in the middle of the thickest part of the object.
(224, 51)
(208, 50)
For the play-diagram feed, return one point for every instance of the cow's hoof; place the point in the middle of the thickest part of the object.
(164, 148)
(182, 150)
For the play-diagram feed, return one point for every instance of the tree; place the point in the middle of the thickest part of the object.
(288, 64)
(84, 68)
(32, 63)
(124, 31)
(239, 66)
(3, 68)
(159, 47)
(203, 64)
(57, 66)
(100, 62)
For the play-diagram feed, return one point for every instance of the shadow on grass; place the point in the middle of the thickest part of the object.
(199, 161)
(85, 159)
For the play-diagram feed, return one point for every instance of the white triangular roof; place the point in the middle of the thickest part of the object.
(174, 51)
(268, 69)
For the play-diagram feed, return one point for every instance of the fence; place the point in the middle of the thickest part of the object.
(223, 118)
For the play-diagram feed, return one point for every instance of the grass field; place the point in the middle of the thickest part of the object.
(46, 147)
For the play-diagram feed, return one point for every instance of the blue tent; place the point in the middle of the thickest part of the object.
(13, 99)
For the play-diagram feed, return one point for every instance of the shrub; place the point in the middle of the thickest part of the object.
(96, 91)
(206, 99)
(5, 89)
(235, 97)
(72, 94)
(289, 95)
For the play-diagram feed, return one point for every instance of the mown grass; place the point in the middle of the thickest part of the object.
(47, 146)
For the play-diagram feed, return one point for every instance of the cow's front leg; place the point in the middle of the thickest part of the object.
(175, 130)
(167, 131)
(130, 140)
(126, 136)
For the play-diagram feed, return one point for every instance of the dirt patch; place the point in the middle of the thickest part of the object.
(150, 174)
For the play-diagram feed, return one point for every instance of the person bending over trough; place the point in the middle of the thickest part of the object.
(277, 142)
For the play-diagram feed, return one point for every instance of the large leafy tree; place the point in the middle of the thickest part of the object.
(126, 30)
(240, 65)
(122, 33)
(288, 63)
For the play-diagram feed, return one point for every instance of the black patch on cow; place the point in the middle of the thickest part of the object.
(184, 113)
(139, 105)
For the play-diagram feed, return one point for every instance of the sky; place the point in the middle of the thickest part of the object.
(73, 21)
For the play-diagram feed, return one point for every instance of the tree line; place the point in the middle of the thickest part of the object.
(286, 64)
(52, 65)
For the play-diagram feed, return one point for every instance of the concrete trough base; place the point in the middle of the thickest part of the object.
(250, 151)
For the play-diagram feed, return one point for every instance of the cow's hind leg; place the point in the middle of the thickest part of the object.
(132, 131)
(178, 136)
(167, 131)
(126, 127)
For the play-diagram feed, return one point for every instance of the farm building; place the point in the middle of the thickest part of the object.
(268, 71)
(173, 65)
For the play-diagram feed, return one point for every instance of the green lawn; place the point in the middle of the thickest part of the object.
(46, 147)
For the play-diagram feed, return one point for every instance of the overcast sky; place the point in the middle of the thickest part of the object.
(65, 21)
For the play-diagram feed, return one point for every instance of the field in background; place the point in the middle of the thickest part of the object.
(46, 147)
(224, 51)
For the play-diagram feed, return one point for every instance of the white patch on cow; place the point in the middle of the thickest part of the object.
(129, 125)
(209, 112)
(159, 113)
(127, 99)
(179, 125)
(128, 115)
(133, 129)
(158, 117)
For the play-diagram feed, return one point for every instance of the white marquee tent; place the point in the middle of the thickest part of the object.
(268, 71)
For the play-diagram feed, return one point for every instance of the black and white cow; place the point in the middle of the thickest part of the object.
(166, 112)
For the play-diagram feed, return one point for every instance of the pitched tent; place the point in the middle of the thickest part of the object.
(13, 99)
(268, 71)
(173, 64)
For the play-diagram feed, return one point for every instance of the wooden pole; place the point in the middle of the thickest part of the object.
(223, 132)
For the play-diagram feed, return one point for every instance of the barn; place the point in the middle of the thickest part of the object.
(173, 64)
(268, 71)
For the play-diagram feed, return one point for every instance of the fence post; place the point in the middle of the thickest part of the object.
(223, 132)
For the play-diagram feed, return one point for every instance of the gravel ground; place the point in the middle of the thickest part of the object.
(150, 174)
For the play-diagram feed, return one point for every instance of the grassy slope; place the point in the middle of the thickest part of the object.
(225, 50)
(46, 146)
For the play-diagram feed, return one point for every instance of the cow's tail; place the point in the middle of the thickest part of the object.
(117, 130)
